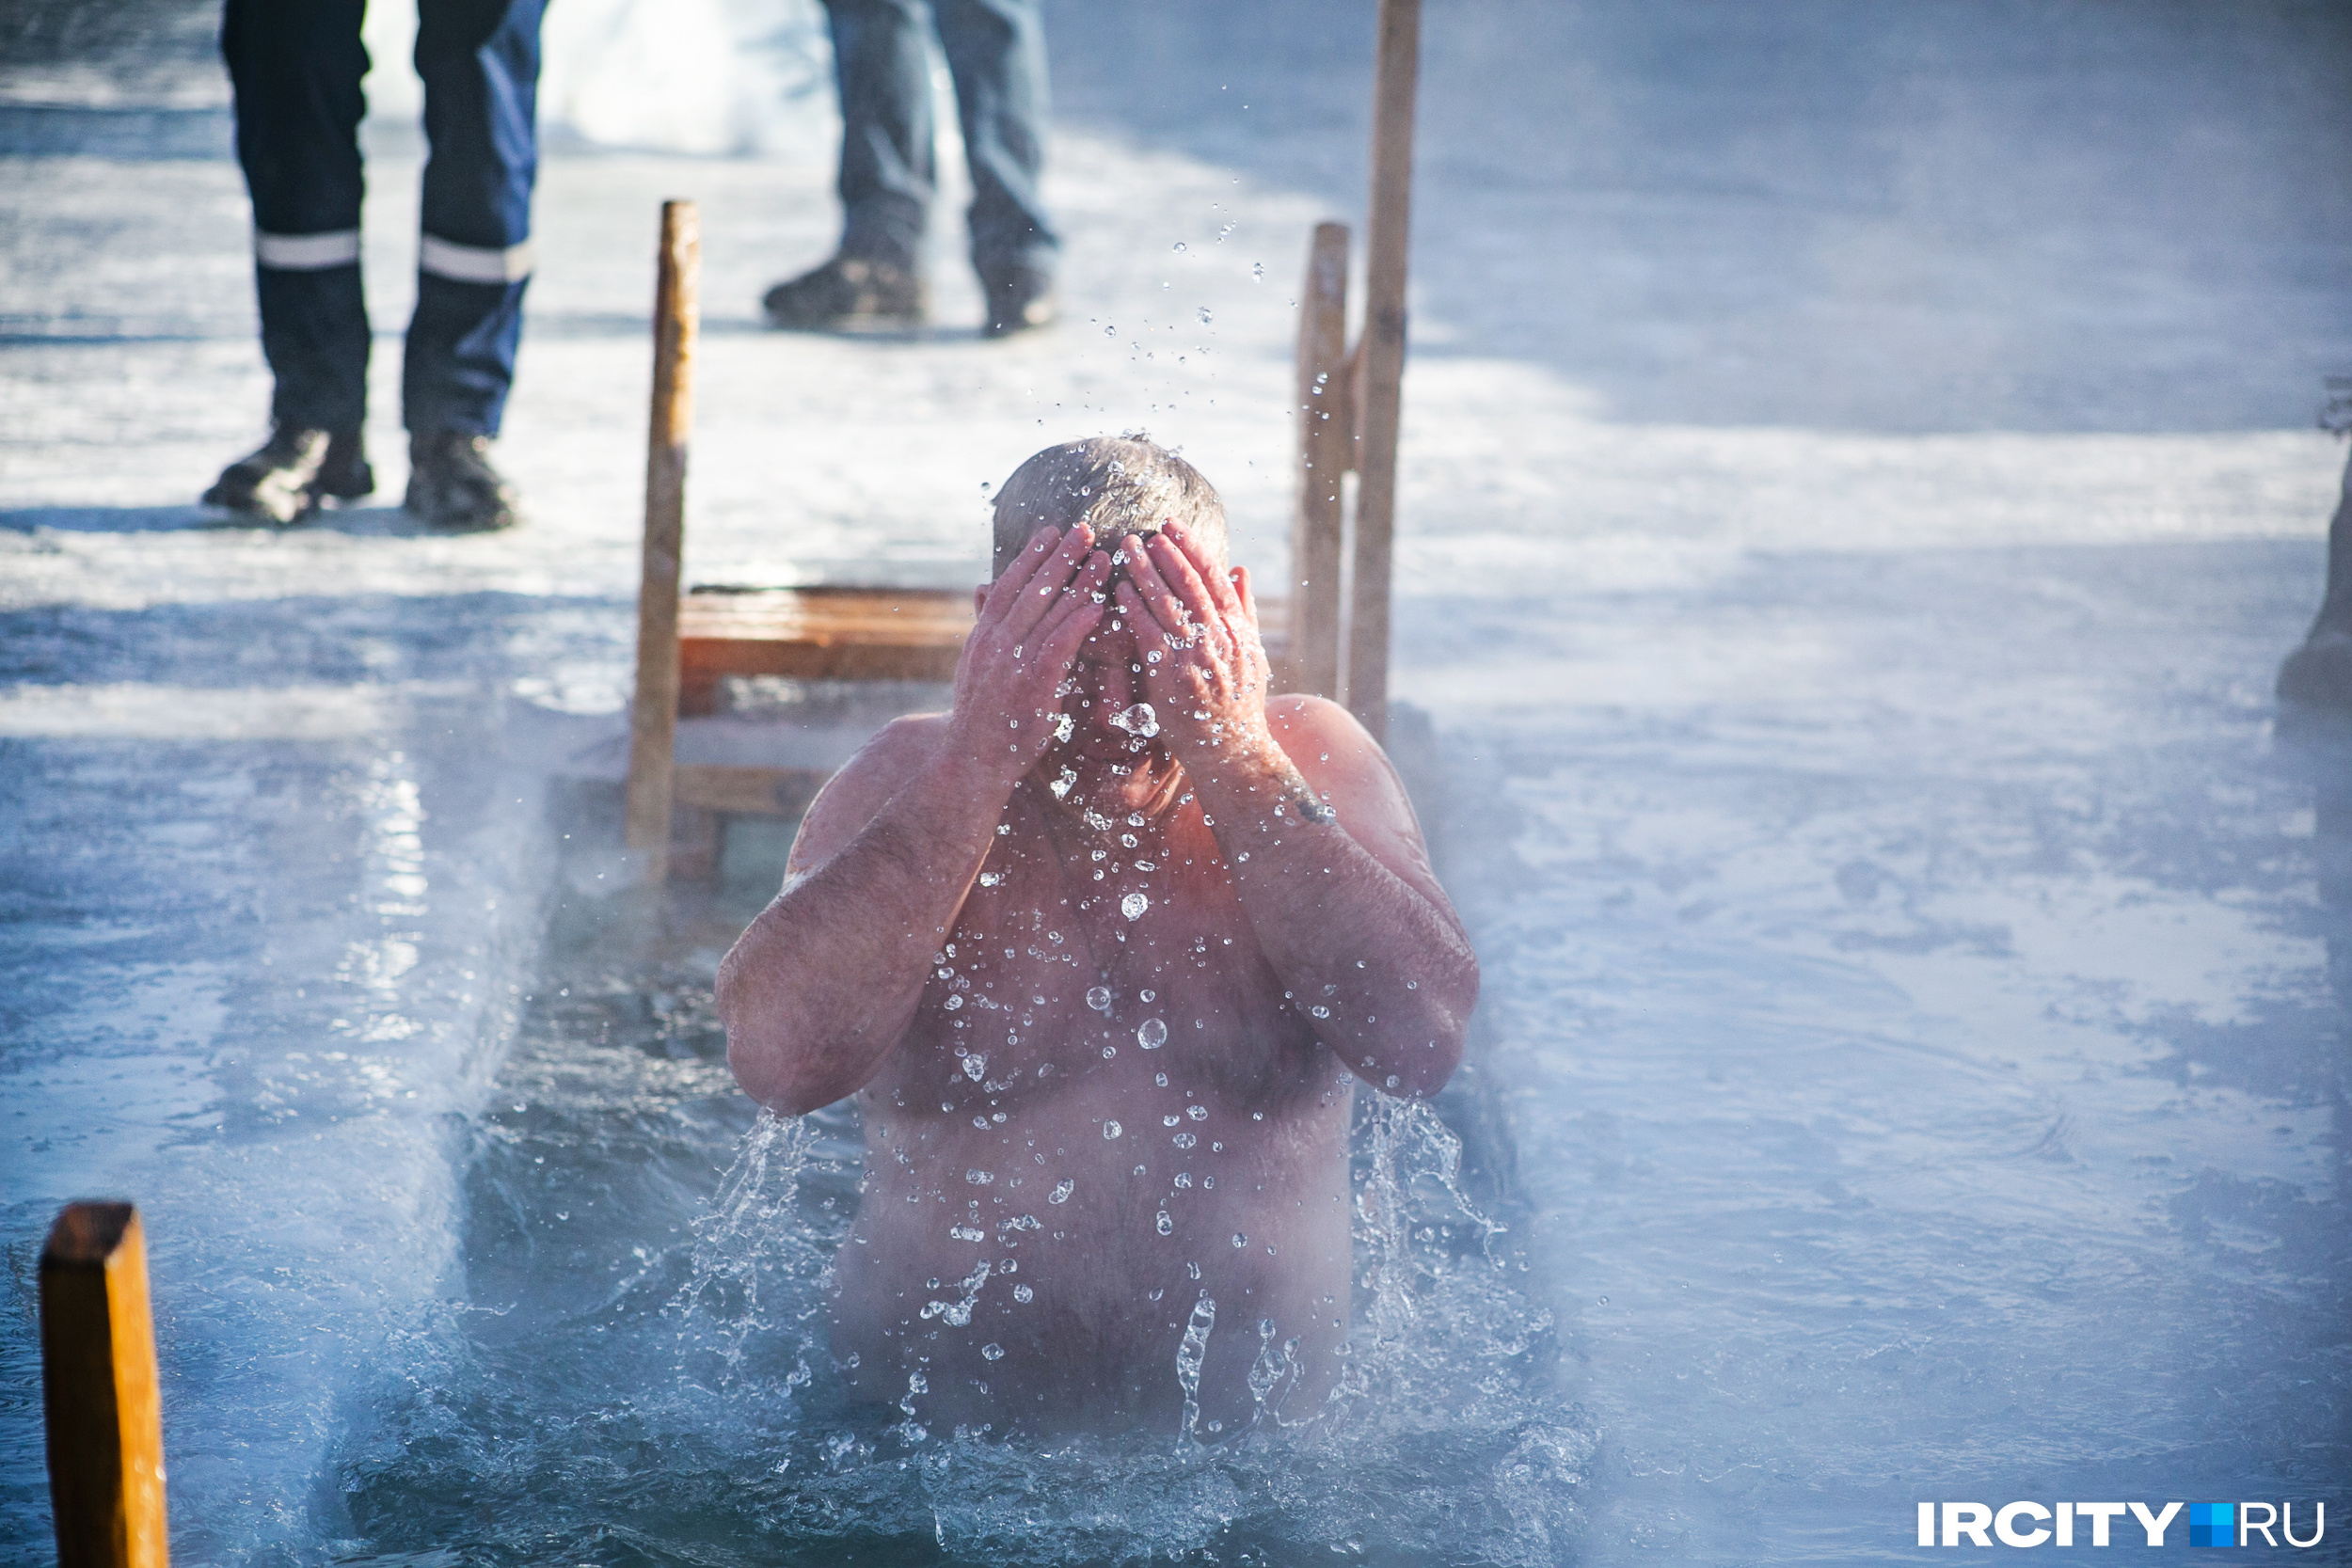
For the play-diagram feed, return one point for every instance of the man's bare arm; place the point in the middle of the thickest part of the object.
(823, 985)
(1339, 889)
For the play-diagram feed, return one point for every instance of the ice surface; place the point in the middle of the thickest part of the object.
(1857, 487)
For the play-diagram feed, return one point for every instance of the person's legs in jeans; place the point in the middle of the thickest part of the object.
(295, 67)
(480, 62)
(875, 277)
(888, 168)
(996, 53)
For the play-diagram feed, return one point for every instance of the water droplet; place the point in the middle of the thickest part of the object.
(1320, 1011)
(1198, 1113)
(1205, 309)
(952, 1002)
(1022, 1294)
(1138, 721)
(1064, 726)
(1127, 841)
(1184, 1140)
(1062, 1190)
(1109, 1052)
(1134, 905)
(975, 1066)
(992, 1353)
(1240, 1239)
(989, 879)
(1163, 1225)
(1112, 1130)
(1099, 998)
(1180, 244)
(979, 1177)
(1152, 1034)
(1257, 272)
(1147, 995)
(1170, 1121)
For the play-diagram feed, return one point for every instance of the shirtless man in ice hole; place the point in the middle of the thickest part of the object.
(1096, 952)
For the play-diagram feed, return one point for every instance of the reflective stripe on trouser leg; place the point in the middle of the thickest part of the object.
(480, 62)
(473, 264)
(883, 72)
(305, 252)
(295, 67)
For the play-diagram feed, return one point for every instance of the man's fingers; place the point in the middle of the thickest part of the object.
(1144, 579)
(1066, 631)
(1194, 594)
(1006, 591)
(1047, 582)
(1203, 566)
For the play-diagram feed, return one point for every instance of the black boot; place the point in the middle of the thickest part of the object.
(1020, 299)
(292, 473)
(453, 485)
(850, 293)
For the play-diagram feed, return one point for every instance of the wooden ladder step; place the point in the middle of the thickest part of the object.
(838, 634)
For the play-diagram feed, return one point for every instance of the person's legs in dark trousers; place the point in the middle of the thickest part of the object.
(295, 67)
(480, 62)
(996, 53)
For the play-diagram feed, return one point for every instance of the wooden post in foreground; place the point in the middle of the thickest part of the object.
(1380, 356)
(98, 1390)
(1327, 437)
(653, 718)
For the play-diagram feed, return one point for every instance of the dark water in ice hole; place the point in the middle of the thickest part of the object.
(634, 1372)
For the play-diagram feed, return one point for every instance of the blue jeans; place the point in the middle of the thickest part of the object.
(296, 66)
(995, 51)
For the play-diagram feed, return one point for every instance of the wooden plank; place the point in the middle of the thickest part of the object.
(1326, 430)
(99, 1390)
(854, 634)
(653, 722)
(749, 791)
(1388, 238)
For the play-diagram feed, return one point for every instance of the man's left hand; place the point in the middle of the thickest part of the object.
(1204, 665)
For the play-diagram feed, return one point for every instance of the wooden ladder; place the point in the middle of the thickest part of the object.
(1348, 409)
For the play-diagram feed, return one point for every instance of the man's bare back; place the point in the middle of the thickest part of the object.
(1092, 1000)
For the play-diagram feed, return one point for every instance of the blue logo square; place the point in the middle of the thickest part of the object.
(2212, 1524)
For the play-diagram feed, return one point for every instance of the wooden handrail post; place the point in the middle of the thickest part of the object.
(1381, 353)
(99, 1392)
(653, 718)
(1326, 430)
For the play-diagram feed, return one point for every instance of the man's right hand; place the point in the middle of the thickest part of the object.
(1033, 622)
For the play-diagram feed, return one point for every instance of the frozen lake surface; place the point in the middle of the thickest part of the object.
(1858, 485)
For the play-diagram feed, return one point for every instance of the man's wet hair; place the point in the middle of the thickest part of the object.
(1116, 485)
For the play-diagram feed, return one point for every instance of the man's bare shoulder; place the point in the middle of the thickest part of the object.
(1330, 748)
(855, 796)
(1345, 766)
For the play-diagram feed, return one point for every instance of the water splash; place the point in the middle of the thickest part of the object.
(1189, 1355)
(714, 1357)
